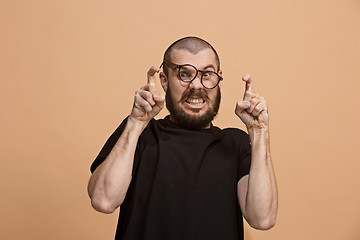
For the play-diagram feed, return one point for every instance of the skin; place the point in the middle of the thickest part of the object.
(178, 87)
(257, 191)
(110, 181)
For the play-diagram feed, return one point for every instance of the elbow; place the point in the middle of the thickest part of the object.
(99, 202)
(102, 206)
(264, 224)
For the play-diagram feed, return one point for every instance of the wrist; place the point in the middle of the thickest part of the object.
(136, 124)
(258, 135)
(259, 131)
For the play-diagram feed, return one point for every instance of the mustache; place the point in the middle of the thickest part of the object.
(191, 93)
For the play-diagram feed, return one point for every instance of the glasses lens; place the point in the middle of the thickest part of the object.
(187, 73)
(210, 79)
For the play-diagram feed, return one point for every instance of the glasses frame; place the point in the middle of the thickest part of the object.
(178, 67)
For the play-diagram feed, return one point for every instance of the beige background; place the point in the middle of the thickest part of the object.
(69, 70)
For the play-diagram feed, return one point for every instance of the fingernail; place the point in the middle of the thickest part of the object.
(247, 104)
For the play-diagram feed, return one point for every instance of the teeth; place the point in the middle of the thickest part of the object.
(195, 101)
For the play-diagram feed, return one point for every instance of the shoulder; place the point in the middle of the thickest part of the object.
(238, 137)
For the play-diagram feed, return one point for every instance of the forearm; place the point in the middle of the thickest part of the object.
(261, 198)
(110, 181)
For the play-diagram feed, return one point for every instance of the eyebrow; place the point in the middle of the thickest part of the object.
(209, 66)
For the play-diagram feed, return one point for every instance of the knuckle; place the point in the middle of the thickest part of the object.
(148, 108)
(148, 94)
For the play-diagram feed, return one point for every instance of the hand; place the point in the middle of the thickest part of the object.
(147, 102)
(253, 109)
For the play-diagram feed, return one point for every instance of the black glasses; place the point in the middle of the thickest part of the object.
(187, 73)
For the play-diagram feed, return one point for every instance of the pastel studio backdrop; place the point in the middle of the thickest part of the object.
(69, 70)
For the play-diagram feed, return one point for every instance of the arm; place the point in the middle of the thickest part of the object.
(110, 181)
(257, 192)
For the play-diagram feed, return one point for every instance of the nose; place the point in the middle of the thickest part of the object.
(196, 83)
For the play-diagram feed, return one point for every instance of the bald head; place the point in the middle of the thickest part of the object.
(191, 44)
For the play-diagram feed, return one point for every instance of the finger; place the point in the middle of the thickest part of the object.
(254, 102)
(147, 96)
(259, 108)
(247, 79)
(151, 78)
(250, 95)
(248, 87)
(151, 74)
(136, 103)
(142, 104)
(243, 105)
(150, 87)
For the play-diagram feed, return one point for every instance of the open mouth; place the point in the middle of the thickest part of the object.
(195, 101)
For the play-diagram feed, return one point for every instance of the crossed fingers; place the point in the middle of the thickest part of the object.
(253, 101)
(252, 110)
(147, 100)
(144, 99)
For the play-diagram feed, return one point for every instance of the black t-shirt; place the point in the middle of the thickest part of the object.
(184, 183)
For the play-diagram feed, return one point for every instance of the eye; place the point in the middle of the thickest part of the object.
(207, 75)
(185, 74)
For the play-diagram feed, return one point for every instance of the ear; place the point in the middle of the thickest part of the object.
(220, 74)
(164, 81)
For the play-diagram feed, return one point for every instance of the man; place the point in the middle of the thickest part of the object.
(181, 177)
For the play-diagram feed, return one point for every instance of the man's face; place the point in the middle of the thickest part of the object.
(191, 104)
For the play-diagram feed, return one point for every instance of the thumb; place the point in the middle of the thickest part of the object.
(241, 112)
(159, 99)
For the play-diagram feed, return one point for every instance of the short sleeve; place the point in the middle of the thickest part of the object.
(244, 155)
(110, 143)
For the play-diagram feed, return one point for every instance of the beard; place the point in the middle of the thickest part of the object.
(192, 121)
